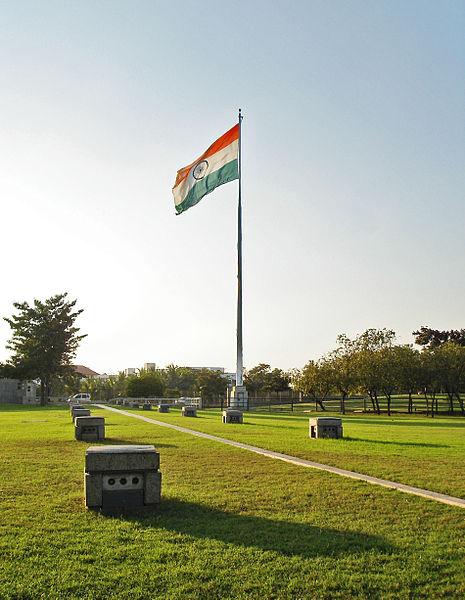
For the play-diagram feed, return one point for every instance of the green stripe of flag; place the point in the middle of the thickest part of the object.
(226, 173)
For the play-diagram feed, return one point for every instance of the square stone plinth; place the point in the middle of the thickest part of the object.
(122, 477)
(163, 408)
(89, 429)
(80, 412)
(189, 411)
(325, 427)
(73, 408)
(147, 406)
(232, 415)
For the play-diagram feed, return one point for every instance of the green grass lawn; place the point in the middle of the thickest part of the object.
(231, 524)
(418, 451)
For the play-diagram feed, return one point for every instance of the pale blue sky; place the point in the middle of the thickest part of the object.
(353, 164)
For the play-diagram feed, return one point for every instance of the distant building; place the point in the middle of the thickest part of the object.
(103, 376)
(18, 392)
(218, 369)
(84, 372)
(150, 367)
(129, 371)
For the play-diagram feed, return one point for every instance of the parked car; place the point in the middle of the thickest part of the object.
(81, 398)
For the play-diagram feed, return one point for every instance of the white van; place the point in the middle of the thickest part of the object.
(81, 398)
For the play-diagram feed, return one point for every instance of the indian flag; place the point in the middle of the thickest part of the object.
(216, 166)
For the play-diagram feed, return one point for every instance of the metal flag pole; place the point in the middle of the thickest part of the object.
(239, 363)
(238, 399)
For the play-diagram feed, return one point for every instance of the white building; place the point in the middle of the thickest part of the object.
(18, 392)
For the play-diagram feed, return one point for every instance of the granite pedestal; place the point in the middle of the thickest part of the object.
(325, 427)
(189, 411)
(89, 429)
(79, 412)
(232, 415)
(122, 477)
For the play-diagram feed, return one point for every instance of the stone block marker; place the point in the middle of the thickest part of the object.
(89, 429)
(232, 415)
(74, 407)
(189, 411)
(79, 412)
(163, 408)
(122, 477)
(146, 406)
(325, 427)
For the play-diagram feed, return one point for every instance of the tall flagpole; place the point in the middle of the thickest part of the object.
(239, 363)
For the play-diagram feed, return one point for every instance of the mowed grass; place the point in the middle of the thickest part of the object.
(231, 524)
(419, 451)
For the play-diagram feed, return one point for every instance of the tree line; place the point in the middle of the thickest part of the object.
(45, 339)
(171, 382)
(373, 364)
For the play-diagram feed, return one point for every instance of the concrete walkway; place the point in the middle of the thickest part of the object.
(408, 489)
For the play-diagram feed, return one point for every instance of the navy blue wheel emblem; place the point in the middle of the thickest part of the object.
(200, 170)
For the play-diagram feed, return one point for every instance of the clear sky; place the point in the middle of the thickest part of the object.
(353, 172)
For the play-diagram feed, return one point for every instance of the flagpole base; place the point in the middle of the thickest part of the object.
(239, 398)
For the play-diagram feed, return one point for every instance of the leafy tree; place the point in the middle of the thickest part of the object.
(430, 378)
(368, 359)
(65, 385)
(210, 384)
(450, 371)
(44, 339)
(410, 372)
(316, 380)
(343, 367)
(390, 364)
(262, 379)
(179, 381)
(256, 379)
(148, 384)
(433, 338)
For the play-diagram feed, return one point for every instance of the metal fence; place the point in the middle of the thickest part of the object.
(359, 404)
(282, 403)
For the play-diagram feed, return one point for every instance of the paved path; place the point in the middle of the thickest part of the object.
(301, 462)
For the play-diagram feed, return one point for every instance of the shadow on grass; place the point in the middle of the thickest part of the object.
(287, 538)
(108, 441)
(274, 415)
(433, 422)
(32, 407)
(390, 443)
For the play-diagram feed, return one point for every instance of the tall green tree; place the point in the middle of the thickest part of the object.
(44, 339)
(343, 367)
(210, 384)
(434, 338)
(450, 370)
(316, 380)
(410, 375)
(263, 380)
(179, 381)
(148, 384)
(370, 347)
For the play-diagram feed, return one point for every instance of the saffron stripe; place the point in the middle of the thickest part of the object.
(214, 162)
(223, 141)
